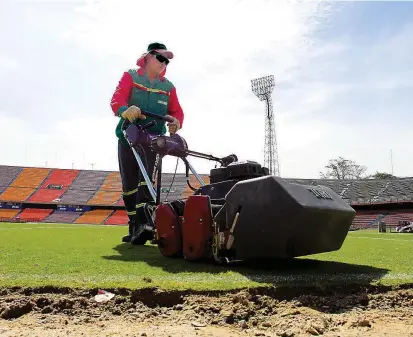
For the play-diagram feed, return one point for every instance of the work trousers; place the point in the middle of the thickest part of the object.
(135, 190)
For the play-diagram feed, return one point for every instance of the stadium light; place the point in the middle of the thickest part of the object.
(262, 87)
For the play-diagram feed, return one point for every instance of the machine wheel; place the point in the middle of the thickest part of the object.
(160, 244)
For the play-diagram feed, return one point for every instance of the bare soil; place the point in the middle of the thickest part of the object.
(347, 311)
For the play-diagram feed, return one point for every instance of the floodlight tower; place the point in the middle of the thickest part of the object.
(262, 87)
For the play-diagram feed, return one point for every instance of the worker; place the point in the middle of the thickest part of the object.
(148, 89)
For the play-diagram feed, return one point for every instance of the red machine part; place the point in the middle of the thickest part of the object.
(196, 227)
(168, 231)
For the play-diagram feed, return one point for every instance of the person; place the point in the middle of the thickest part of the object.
(148, 89)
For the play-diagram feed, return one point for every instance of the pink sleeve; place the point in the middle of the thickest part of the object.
(119, 102)
(174, 108)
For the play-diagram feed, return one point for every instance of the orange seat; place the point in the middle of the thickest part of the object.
(110, 191)
(16, 194)
(112, 182)
(7, 214)
(104, 198)
(25, 184)
(97, 216)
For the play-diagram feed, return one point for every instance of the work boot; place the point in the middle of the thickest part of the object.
(142, 234)
(128, 238)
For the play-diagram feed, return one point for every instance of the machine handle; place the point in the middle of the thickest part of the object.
(162, 118)
(149, 114)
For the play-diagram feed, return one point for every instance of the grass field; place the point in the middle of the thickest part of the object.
(93, 256)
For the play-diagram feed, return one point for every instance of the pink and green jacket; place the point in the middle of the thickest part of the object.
(159, 96)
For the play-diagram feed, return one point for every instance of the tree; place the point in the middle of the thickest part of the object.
(382, 175)
(341, 168)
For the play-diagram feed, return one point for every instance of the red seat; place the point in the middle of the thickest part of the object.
(34, 214)
(58, 177)
(118, 218)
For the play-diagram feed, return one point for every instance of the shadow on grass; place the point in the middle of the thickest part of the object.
(276, 272)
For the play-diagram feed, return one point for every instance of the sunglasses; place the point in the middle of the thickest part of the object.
(160, 57)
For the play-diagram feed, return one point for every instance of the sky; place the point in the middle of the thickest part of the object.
(343, 79)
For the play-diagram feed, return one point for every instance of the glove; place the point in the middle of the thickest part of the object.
(173, 127)
(132, 113)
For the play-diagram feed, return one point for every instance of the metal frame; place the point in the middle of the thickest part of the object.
(144, 173)
(156, 194)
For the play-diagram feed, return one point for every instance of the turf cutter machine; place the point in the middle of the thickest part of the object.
(243, 213)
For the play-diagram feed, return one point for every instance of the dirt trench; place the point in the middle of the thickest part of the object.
(346, 311)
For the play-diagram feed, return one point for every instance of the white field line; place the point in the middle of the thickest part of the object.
(384, 239)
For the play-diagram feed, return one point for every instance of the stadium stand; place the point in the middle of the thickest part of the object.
(84, 187)
(366, 191)
(22, 188)
(194, 183)
(171, 189)
(8, 214)
(103, 197)
(393, 217)
(62, 217)
(34, 214)
(7, 175)
(118, 218)
(54, 186)
(110, 191)
(405, 186)
(367, 219)
(25, 184)
(112, 182)
(97, 217)
(172, 186)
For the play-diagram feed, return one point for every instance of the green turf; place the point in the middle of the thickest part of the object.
(92, 256)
